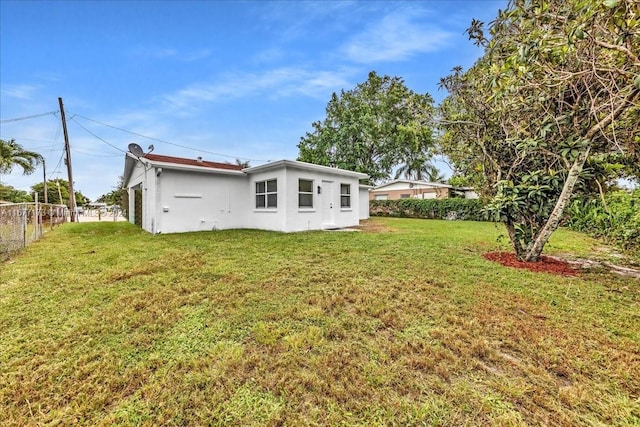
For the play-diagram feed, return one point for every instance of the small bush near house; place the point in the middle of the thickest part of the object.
(616, 220)
(450, 209)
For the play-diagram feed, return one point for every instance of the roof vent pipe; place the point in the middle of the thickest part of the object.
(199, 159)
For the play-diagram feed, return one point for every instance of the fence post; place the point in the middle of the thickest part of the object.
(36, 217)
(24, 226)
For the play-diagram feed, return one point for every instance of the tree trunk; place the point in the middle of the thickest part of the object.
(542, 237)
(511, 229)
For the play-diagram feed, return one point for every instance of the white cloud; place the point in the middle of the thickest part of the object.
(23, 92)
(396, 37)
(293, 20)
(280, 82)
(172, 54)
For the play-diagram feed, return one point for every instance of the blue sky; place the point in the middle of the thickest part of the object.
(217, 79)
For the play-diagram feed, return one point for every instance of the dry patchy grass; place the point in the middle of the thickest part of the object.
(102, 324)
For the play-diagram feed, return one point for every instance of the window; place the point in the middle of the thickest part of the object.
(345, 195)
(405, 196)
(267, 194)
(305, 193)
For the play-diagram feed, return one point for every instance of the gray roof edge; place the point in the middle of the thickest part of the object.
(304, 165)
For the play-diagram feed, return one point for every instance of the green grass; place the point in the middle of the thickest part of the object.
(103, 324)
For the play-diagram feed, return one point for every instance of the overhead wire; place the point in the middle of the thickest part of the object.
(73, 118)
(167, 142)
(57, 168)
(96, 155)
(27, 117)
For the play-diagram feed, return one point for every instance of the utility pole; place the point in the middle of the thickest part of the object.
(72, 194)
(59, 193)
(44, 172)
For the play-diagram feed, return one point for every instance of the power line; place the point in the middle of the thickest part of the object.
(96, 155)
(27, 117)
(167, 142)
(57, 168)
(93, 134)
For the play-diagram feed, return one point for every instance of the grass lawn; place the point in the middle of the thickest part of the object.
(404, 324)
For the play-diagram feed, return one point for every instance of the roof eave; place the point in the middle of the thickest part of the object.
(305, 166)
(193, 168)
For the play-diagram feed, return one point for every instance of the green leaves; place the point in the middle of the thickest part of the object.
(13, 154)
(371, 128)
(557, 87)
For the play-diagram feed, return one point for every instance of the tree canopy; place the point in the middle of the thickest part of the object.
(57, 188)
(118, 196)
(13, 154)
(12, 195)
(372, 128)
(553, 104)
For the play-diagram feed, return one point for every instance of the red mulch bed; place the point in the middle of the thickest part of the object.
(545, 265)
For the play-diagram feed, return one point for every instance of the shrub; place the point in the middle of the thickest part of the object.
(617, 221)
(451, 209)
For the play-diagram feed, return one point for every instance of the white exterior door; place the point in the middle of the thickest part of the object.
(328, 203)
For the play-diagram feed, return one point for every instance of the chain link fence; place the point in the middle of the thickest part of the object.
(24, 223)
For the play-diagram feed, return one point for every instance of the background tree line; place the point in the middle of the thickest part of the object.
(14, 155)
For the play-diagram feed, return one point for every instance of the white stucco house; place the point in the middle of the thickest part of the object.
(173, 195)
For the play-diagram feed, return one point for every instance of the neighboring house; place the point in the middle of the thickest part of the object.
(172, 195)
(407, 189)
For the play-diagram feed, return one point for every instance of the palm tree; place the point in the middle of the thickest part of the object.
(418, 167)
(12, 154)
(436, 176)
(242, 164)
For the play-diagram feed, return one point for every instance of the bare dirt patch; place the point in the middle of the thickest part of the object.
(369, 226)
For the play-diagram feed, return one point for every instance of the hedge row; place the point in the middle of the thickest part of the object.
(617, 221)
(451, 209)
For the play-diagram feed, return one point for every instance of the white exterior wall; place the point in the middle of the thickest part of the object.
(263, 218)
(181, 199)
(289, 217)
(426, 196)
(470, 194)
(189, 201)
(364, 203)
(327, 211)
(143, 176)
(135, 180)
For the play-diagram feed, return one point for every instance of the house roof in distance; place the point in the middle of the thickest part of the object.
(191, 162)
(413, 183)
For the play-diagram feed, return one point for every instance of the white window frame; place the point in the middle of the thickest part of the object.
(310, 192)
(266, 193)
(346, 195)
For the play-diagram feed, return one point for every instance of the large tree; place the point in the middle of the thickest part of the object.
(554, 100)
(13, 154)
(58, 192)
(10, 194)
(371, 128)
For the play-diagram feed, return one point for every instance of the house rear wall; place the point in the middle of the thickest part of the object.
(196, 202)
